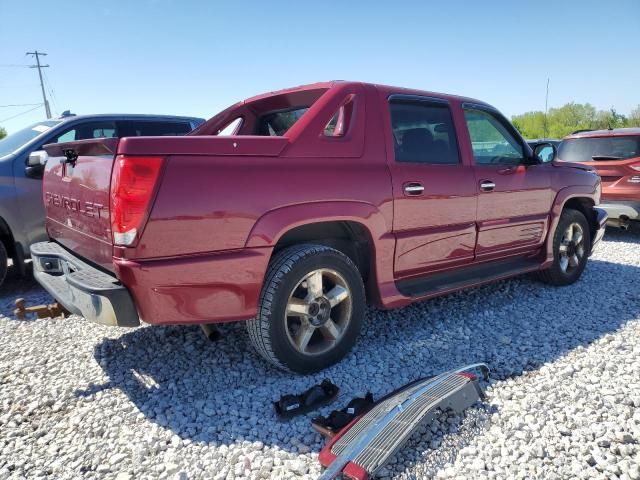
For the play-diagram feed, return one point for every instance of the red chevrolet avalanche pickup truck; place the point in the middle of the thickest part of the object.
(293, 209)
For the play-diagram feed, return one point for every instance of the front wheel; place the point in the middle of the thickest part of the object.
(571, 244)
(311, 309)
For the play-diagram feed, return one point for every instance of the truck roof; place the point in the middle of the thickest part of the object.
(124, 116)
(388, 89)
(614, 132)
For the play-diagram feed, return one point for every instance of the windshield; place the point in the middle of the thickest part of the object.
(13, 142)
(599, 148)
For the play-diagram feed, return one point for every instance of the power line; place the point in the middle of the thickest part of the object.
(37, 54)
(13, 65)
(22, 113)
(20, 105)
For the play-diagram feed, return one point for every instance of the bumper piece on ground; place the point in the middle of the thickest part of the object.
(366, 444)
(82, 288)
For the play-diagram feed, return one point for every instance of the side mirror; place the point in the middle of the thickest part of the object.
(35, 164)
(545, 152)
(39, 157)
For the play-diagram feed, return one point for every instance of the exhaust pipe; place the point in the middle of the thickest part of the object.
(211, 332)
(621, 223)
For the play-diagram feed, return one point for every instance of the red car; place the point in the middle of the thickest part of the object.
(615, 155)
(325, 197)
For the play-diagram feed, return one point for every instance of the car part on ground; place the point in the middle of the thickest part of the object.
(41, 311)
(291, 405)
(366, 444)
(330, 425)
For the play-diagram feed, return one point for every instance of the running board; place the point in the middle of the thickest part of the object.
(365, 445)
(462, 277)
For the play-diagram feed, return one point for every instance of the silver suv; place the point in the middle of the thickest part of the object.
(22, 163)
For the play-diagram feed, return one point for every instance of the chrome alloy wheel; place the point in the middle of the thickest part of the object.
(571, 247)
(318, 312)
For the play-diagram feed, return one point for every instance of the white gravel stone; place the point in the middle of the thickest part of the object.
(79, 400)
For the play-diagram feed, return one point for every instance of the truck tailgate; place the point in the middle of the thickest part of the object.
(76, 195)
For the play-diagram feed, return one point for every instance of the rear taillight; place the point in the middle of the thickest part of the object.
(133, 182)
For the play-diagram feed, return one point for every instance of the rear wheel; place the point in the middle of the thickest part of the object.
(571, 242)
(311, 309)
(4, 262)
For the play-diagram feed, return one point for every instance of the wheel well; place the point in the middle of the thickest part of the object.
(584, 205)
(351, 238)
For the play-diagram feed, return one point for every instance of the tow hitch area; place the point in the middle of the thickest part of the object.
(366, 444)
(42, 311)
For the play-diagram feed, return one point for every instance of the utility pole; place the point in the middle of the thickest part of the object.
(40, 67)
(546, 109)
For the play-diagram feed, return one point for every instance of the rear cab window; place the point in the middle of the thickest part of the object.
(423, 132)
(276, 124)
(587, 149)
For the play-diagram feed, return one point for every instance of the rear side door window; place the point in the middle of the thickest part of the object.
(423, 132)
(491, 139)
(85, 131)
(147, 128)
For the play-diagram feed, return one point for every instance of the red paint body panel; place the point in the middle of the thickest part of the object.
(77, 198)
(222, 203)
(223, 286)
(515, 214)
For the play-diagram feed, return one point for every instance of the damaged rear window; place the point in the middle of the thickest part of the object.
(276, 124)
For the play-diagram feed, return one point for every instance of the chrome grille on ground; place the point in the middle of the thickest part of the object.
(377, 435)
(404, 424)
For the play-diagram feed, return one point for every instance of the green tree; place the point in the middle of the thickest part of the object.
(633, 120)
(530, 124)
(3, 133)
(571, 117)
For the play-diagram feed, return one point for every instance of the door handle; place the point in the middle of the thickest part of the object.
(487, 185)
(413, 189)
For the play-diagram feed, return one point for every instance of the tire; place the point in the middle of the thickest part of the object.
(4, 262)
(562, 273)
(291, 283)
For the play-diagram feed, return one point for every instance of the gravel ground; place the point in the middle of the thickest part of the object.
(79, 400)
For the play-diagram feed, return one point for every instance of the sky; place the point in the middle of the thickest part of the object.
(197, 57)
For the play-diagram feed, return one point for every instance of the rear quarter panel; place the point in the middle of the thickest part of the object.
(212, 204)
